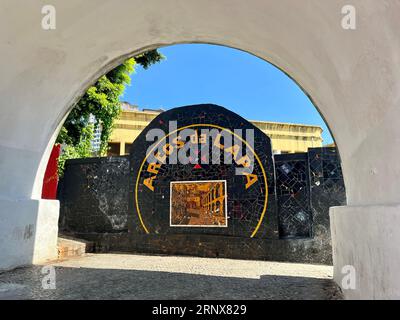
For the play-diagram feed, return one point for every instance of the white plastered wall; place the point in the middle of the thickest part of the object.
(353, 76)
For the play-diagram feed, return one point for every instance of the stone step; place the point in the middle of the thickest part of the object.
(70, 247)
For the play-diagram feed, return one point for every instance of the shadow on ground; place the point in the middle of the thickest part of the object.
(85, 283)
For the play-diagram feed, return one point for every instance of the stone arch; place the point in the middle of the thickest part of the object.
(352, 76)
(112, 64)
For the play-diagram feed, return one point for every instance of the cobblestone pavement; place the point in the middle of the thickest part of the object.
(123, 276)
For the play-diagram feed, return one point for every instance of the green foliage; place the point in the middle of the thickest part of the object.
(83, 149)
(149, 58)
(102, 101)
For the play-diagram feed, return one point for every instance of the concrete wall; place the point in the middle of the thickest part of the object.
(28, 232)
(353, 76)
(367, 238)
(94, 205)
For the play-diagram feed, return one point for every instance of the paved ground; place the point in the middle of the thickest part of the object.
(119, 276)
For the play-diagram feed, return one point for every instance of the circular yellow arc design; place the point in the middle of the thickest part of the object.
(217, 127)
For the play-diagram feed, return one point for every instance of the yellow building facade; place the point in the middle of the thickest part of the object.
(285, 137)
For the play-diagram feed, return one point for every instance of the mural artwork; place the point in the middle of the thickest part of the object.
(202, 170)
(176, 193)
(198, 204)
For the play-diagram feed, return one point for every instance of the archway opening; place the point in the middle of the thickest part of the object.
(296, 222)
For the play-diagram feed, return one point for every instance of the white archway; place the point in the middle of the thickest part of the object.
(353, 76)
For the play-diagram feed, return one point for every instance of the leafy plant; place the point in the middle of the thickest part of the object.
(101, 101)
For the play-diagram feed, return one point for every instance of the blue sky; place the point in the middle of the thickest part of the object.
(236, 80)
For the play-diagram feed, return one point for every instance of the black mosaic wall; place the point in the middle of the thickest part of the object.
(326, 188)
(94, 195)
(308, 184)
(245, 206)
(97, 198)
(293, 193)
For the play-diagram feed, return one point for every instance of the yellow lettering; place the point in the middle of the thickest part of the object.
(179, 143)
(245, 161)
(159, 158)
(234, 150)
(153, 167)
(217, 142)
(149, 183)
(168, 149)
(203, 138)
(251, 179)
(194, 138)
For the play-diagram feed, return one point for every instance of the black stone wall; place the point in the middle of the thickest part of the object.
(98, 200)
(93, 195)
(293, 194)
(326, 190)
(245, 206)
(308, 184)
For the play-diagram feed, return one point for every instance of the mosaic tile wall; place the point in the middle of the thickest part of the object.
(293, 193)
(97, 199)
(308, 184)
(245, 206)
(326, 189)
(93, 195)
